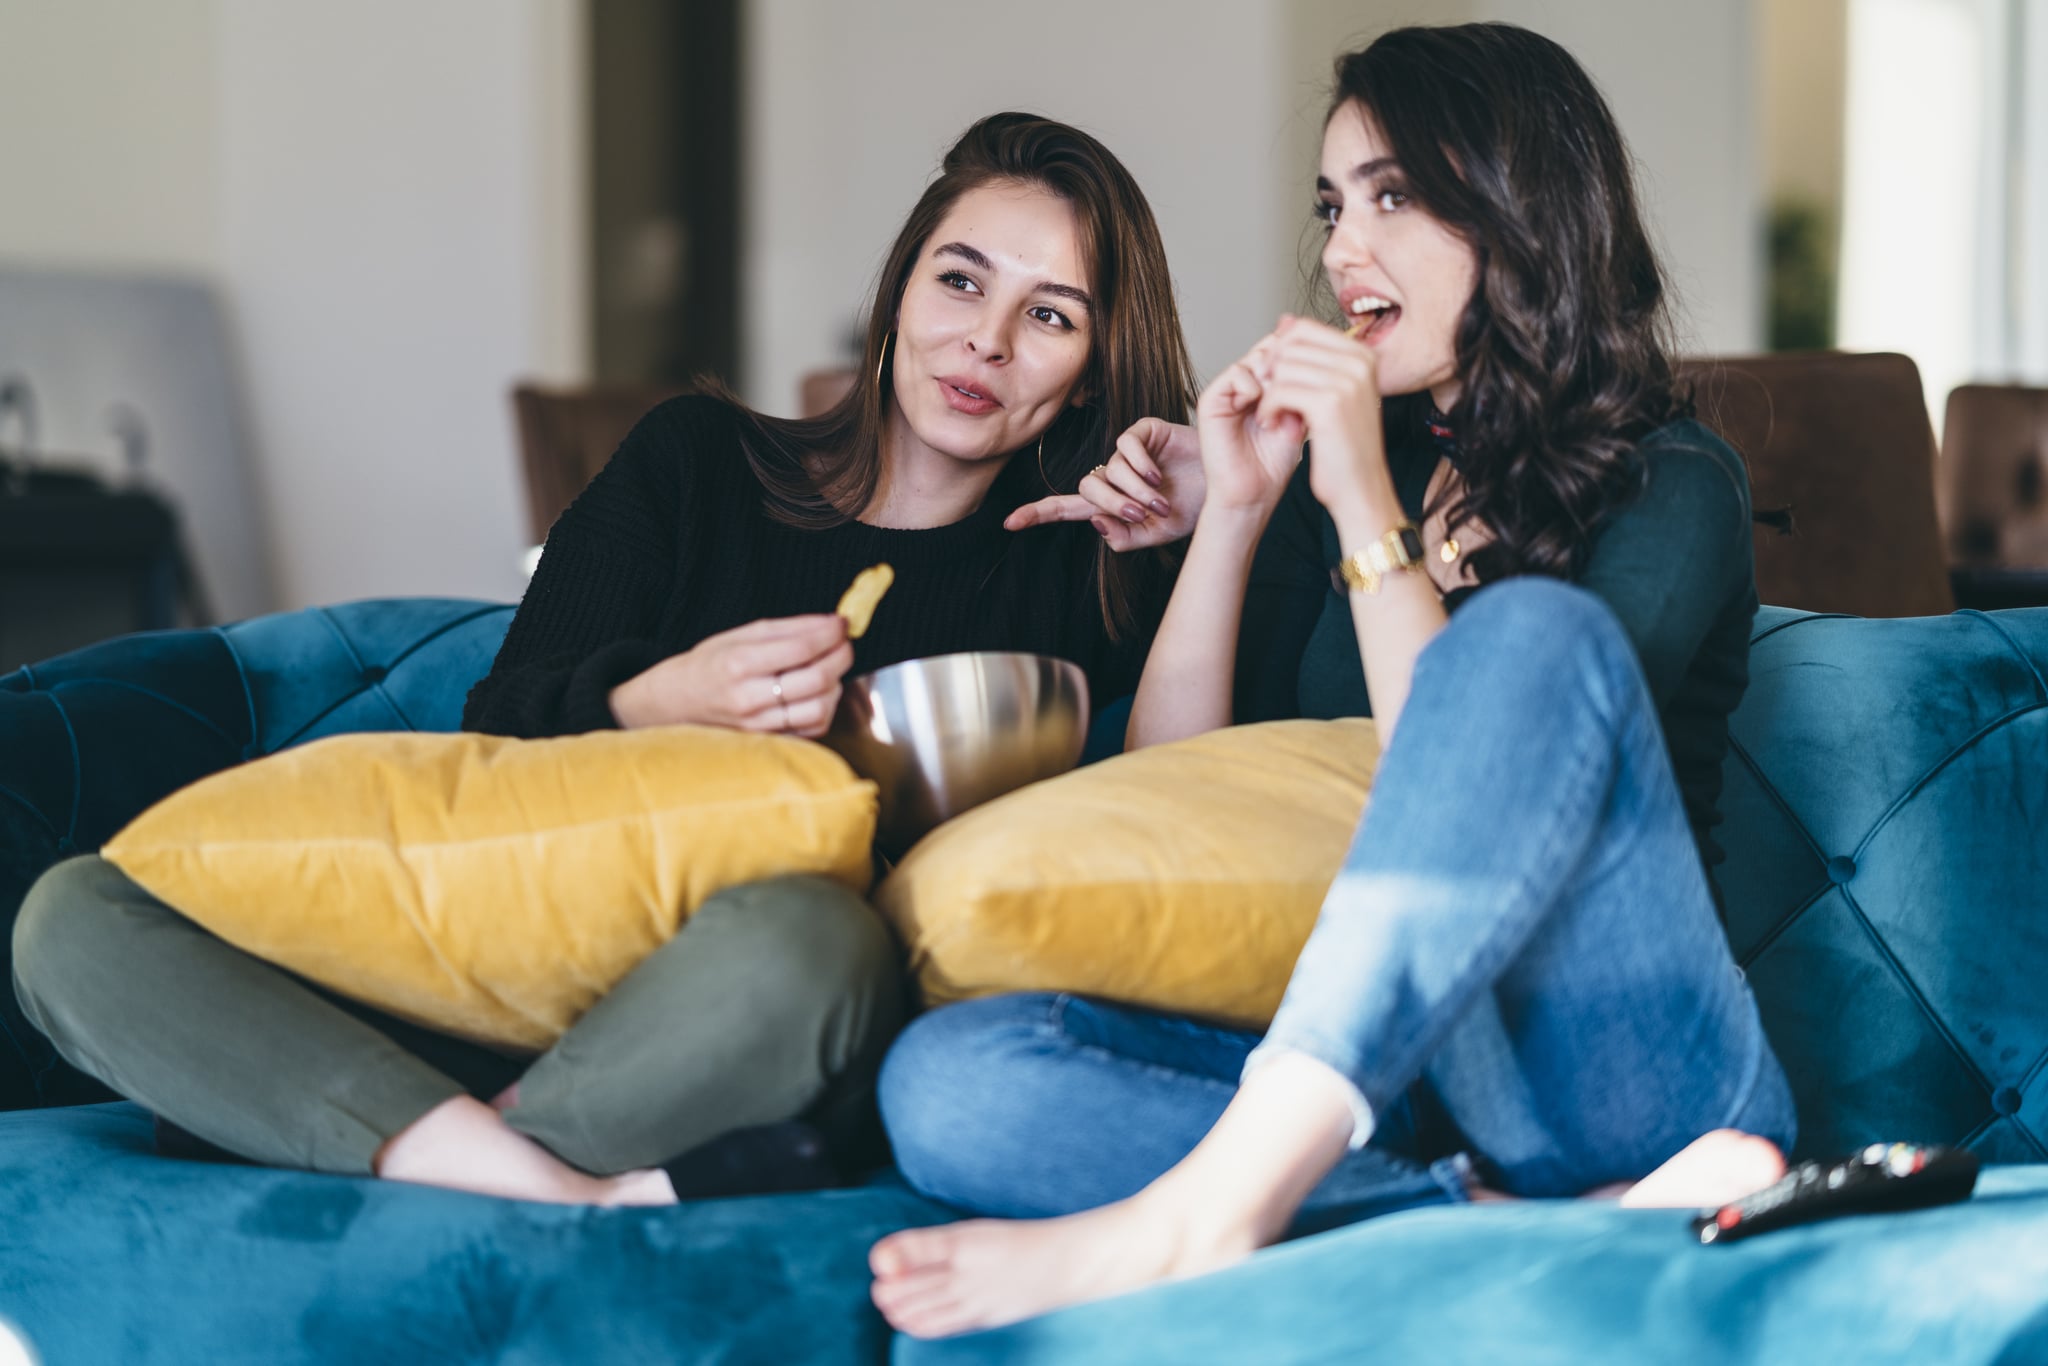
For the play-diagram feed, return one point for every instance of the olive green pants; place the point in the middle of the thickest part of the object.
(775, 1000)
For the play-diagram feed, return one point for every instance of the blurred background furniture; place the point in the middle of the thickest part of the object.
(1994, 466)
(567, 435)
(81, 562)
(821, 389)
(1841, 472)
(133, 378)
(1840, 452)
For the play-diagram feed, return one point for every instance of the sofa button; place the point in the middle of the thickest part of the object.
(252, 750)
(374, 674)
(2006, 1100)
(1841, 868)
(65, 848)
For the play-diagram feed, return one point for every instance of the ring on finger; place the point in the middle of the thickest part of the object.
(776, 683)
(785, 712)
(1101, 472)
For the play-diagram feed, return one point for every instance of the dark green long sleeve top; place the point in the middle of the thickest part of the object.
(1675, 565)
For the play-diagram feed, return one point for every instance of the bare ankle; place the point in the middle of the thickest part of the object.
(1207, 1225)
(463, 1144)
(650, 1186)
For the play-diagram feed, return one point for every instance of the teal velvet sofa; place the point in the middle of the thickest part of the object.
(1886, 891)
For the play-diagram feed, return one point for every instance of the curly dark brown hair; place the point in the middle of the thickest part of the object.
(1564, 350)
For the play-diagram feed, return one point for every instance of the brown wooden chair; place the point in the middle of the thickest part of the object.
(567, 435)
(1994, 463)
(1841, 471)
(821, 389)
(1994, 485)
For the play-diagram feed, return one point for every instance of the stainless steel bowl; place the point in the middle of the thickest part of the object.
(944, 734)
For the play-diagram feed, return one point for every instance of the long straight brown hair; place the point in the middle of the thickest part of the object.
(823, 471)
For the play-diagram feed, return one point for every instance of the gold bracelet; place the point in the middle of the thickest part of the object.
(1399, 550)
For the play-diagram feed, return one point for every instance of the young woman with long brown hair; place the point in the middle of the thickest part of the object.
(1023, 319)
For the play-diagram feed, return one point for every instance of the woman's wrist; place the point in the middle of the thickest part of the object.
(1230, 528)
(624, 700)
(1362, 521)
(636, 705)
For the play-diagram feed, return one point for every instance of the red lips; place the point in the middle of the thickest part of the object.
(963, 395)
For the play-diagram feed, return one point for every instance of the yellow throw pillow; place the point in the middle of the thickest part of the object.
(487, 887)
(1185, 877)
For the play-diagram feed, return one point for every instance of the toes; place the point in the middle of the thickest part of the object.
(939, 1321)
(916, 1249)
(924, 1311)
(896, 1292)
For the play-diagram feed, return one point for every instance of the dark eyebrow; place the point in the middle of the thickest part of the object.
(967, 254)
(981, 262)
(1365, 170)
(1079, 296)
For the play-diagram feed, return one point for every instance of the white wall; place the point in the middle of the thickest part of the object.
(1910, 211)
(1216, 106)
(1680, 77)
(1803, 72)
(388, 195)
(107, 133)
(393, 230)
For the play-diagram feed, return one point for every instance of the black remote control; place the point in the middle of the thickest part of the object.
(1883, 1176)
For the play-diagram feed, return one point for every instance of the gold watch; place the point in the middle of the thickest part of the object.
(1400, 550)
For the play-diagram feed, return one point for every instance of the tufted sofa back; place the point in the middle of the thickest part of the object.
(1886, 803)
(90, 739)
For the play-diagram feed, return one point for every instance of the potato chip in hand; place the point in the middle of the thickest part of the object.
(859, 602)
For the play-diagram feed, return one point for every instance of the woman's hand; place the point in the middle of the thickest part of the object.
(777, 676)
(1248, 455)
(1148, 494)
(1330, 382)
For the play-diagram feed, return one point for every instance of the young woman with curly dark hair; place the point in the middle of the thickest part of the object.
(1533, 569)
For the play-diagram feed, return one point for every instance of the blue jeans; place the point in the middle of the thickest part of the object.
(1522, 935)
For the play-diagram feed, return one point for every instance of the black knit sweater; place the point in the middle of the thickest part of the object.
(670, 544)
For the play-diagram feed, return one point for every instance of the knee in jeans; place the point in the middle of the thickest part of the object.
(1548, 622)
(948, 1087)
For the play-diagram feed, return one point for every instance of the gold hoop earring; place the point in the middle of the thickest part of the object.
(1043, 477)
(882, 360)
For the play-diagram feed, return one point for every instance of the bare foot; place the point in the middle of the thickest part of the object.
(931, 1282)
(1713, 1170)
(463, 1144)
(648, 1186)
(1287, 1126)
